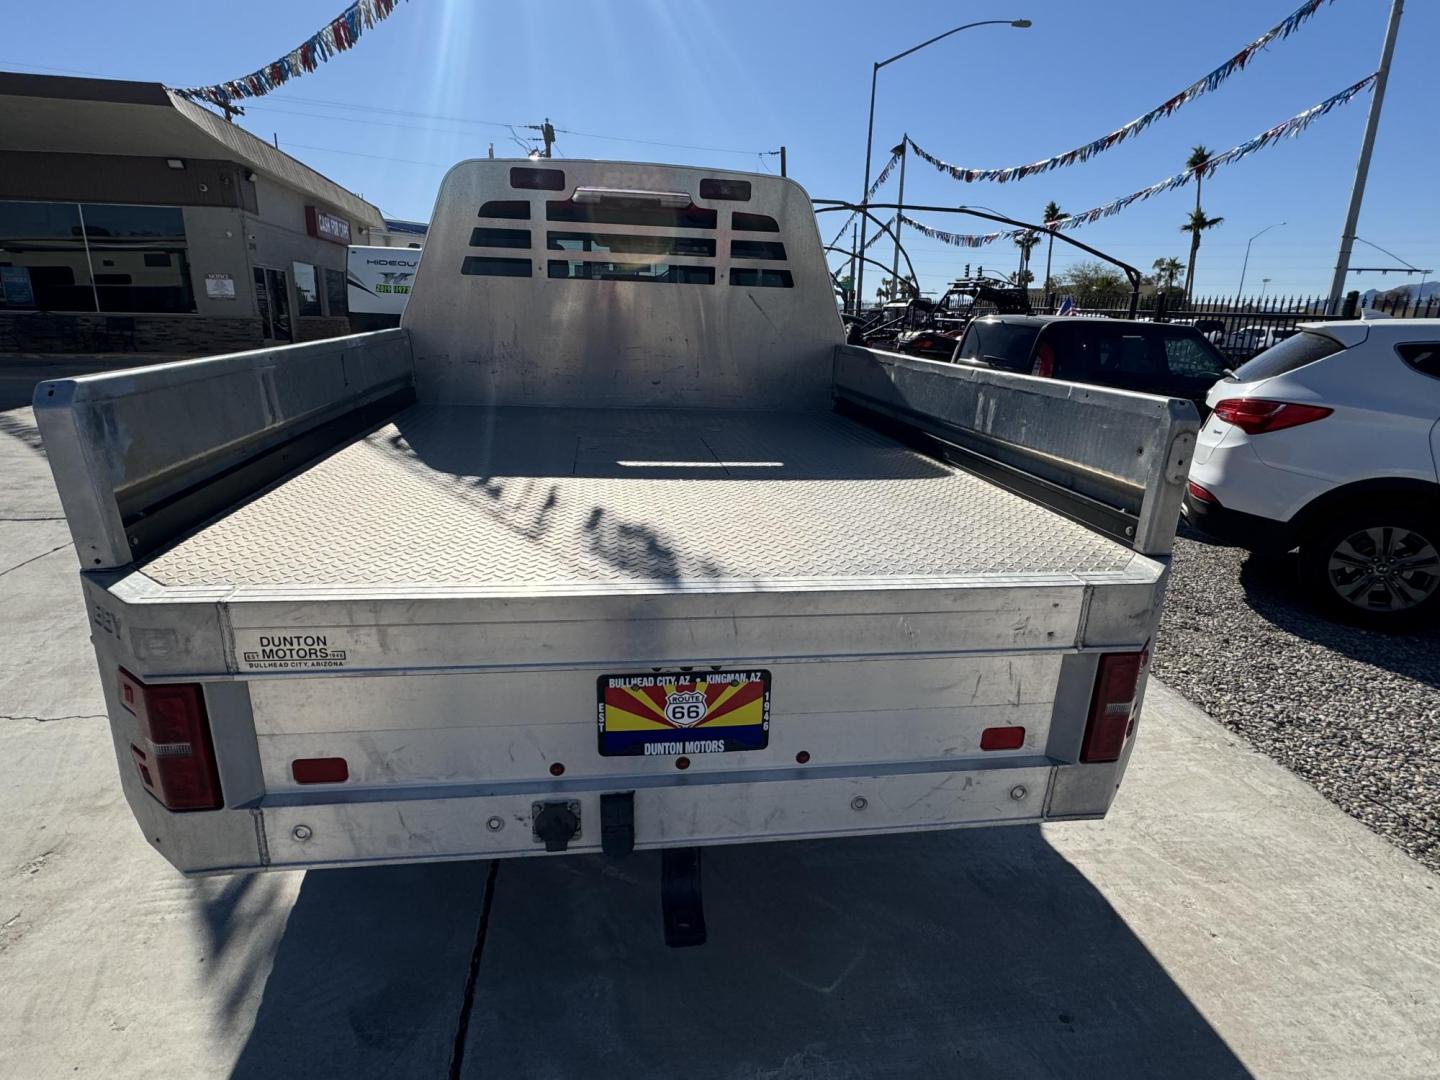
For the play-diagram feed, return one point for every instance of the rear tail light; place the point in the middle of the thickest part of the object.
(1044, 361)
(1112, 707)
(1200, 494)
(1254, 416)
(174, 755)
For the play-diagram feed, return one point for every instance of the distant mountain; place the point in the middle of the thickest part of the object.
(1427, 291)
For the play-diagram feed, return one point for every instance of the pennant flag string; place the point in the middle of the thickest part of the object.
(338, 35)
(841, 231)
(973, 240)
(1278, 32)
(884, 175)
(874, 187)
(879, 233)
(1287, 129)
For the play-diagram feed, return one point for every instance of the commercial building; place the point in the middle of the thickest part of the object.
(132, 219)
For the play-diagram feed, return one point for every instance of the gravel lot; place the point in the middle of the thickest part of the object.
(1354, 712)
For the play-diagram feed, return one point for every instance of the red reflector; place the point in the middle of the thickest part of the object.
(174, 756)
(1112, 706)
(1254, 416)
(320, 770)
(1199, 494)
(1002, 738)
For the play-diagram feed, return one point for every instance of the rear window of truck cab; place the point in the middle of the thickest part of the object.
(994, 343)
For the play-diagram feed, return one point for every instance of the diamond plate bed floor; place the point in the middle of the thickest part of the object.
(547, 497)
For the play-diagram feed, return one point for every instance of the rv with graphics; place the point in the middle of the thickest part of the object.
(379, 281)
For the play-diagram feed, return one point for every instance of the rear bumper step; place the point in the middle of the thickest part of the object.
(290, 834)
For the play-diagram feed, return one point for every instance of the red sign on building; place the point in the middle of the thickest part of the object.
(324, 225)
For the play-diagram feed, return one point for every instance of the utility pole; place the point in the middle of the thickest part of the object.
(548, 134)
(895, 265)
(782, 162)
(854, 249)
(1362, 168)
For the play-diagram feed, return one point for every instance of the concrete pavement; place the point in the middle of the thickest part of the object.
(1225, 920)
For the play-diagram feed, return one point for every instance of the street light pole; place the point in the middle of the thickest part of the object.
(1362, 168)
(1019, 24)
(1240, 292)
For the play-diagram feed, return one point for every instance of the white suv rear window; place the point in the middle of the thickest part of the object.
(1294, 352)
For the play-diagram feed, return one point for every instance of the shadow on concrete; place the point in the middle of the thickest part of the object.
(369, 976)
(19, 427)
(1272, 589)
(967, 954)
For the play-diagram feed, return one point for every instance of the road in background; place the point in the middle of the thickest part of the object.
(1224, 920)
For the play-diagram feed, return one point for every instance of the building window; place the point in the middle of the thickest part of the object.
(48, 250)
(43, 263)
(337, 298)
(144, 253)
(307, 289)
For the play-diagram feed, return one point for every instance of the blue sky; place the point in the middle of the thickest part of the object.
(749, 75)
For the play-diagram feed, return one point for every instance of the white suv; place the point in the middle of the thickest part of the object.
(1329, 441)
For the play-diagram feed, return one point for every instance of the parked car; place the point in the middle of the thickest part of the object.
(1328, 441)
(1155, 358)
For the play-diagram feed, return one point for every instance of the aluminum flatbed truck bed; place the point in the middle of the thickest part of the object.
(613, 544)
(559, 500)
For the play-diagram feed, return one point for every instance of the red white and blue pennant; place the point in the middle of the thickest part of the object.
(1287, 129)
(1278, 32)
(338, 35)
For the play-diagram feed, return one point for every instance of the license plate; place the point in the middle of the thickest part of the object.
(674, 713)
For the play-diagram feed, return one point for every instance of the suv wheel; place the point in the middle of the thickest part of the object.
(1378, 565)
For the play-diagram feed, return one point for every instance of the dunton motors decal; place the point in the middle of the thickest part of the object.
(289, 650)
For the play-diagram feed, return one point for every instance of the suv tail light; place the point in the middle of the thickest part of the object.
(1257, 415)
(174, 755)
(1044, 365)
(1112, 706)
(1200, 493)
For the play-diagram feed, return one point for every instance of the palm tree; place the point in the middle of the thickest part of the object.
(1052, 214)
(1026, 242)
(1166, 268)
(1199, 155)
(1197, 224)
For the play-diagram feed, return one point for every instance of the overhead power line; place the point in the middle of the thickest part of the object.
(488, 123)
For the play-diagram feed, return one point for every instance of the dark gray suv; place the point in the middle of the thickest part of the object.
(1153, 358)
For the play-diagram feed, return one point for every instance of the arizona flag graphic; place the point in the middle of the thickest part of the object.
(684, 713)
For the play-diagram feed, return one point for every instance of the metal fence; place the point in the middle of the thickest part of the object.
(1239, 327)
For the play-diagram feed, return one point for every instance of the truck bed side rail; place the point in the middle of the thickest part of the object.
(1113, 460)
(144, 454)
